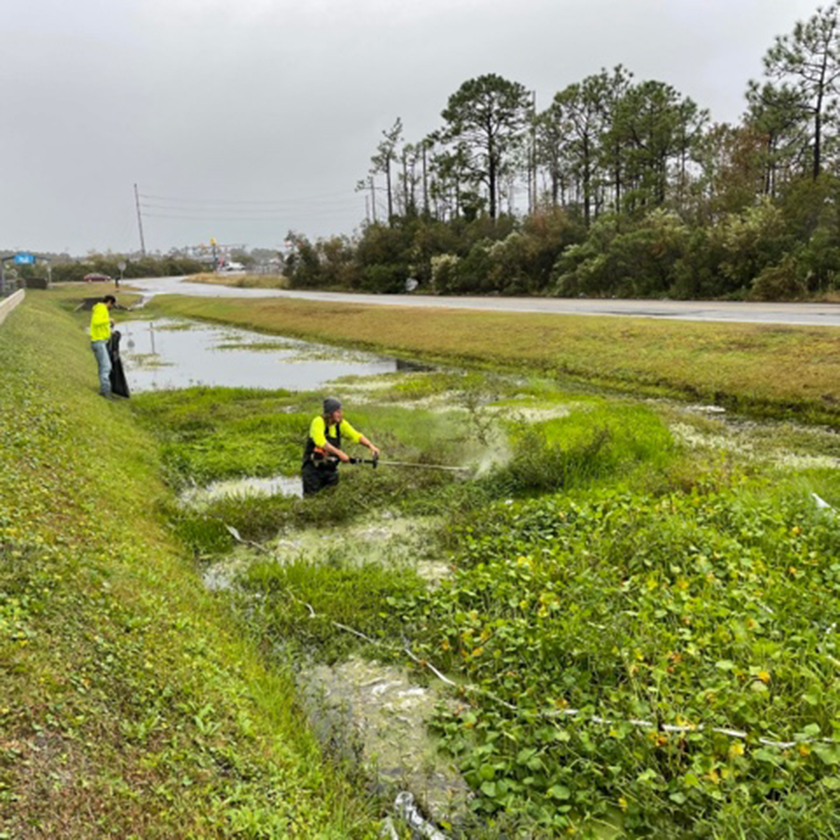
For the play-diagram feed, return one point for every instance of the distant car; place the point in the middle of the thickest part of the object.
(97, 278)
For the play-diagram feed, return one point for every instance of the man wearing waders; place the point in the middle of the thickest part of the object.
(100, 332)
(323, 452)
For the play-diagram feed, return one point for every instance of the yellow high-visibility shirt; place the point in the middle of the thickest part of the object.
(100, 322)
(318, 431)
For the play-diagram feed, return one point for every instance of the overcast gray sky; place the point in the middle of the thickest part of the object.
(283, 102)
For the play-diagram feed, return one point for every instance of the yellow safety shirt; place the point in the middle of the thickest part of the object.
(100, 322)
(318, 431)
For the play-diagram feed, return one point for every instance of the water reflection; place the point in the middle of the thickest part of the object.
(168, 354)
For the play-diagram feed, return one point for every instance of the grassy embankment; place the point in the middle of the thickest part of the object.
(129, 706)
(765, 369)
(242, 281)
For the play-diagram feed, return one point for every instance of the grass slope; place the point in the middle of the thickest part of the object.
(128, 704)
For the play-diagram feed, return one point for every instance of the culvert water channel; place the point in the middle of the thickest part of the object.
(373, 712)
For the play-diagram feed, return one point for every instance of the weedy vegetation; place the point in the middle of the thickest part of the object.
(637, 628)
(130, 702)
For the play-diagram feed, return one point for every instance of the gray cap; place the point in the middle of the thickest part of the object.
(331, 404)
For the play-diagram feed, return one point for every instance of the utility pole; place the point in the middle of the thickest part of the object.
(139, 221)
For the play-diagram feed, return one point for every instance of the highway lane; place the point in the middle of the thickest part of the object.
(793, 314)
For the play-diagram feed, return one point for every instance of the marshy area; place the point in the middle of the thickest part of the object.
(591, 628)
(619, 619)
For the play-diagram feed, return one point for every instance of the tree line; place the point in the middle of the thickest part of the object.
(619, 187)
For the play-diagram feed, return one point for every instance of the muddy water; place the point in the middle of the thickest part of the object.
(374, 713)
(369, 712)
(167, 354)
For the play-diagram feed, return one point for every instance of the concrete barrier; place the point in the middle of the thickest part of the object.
(9, 303)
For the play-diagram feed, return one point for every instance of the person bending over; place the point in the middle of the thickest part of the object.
(322, 452)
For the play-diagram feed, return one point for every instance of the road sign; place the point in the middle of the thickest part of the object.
(121, 266)
(24, 259)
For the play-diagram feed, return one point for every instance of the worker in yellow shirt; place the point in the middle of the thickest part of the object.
(323, 451)
(100, 332)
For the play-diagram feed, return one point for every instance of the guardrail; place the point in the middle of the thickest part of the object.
(9, 286)
(8, 303)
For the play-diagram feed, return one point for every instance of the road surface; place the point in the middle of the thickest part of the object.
(794, 314)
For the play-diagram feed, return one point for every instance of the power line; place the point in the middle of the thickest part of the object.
(277, 209)
(284, 218)
(224, 201)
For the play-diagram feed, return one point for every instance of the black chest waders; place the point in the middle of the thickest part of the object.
(318, 470)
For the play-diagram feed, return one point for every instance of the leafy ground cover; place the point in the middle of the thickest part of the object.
(767, 369)
(129, 703)
(709, 609)
(642, 635)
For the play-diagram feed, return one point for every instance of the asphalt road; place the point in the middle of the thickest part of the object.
(795, 314)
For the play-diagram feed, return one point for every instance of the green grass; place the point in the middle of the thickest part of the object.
(131, 706)
(599, 564)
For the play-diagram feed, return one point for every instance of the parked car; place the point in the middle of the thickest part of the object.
(97, 278)
(231, 265)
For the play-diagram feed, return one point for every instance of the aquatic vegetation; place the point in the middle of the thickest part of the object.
(639, 616)
(575, 617)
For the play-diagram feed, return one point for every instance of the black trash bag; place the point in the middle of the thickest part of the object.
(119, 385)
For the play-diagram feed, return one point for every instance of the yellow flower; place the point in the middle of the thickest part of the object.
(622, 803)
(764, 676)
(736, 750)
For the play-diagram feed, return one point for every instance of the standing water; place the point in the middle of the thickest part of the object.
(168, 354)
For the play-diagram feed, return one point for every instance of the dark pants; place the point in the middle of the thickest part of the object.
(317, 478)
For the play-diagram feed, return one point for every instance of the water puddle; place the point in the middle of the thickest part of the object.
(388, 540)
(368, 712)
(168, 354)
(242, 488)
(372, 713)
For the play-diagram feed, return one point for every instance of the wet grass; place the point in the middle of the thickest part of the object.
(242, 281)
(130, 705)
(601, 563)
(768, 370)
(603, 566)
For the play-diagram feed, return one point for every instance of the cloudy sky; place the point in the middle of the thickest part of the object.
(247, 118)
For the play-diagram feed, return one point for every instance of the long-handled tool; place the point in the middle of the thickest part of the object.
(375, 462)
